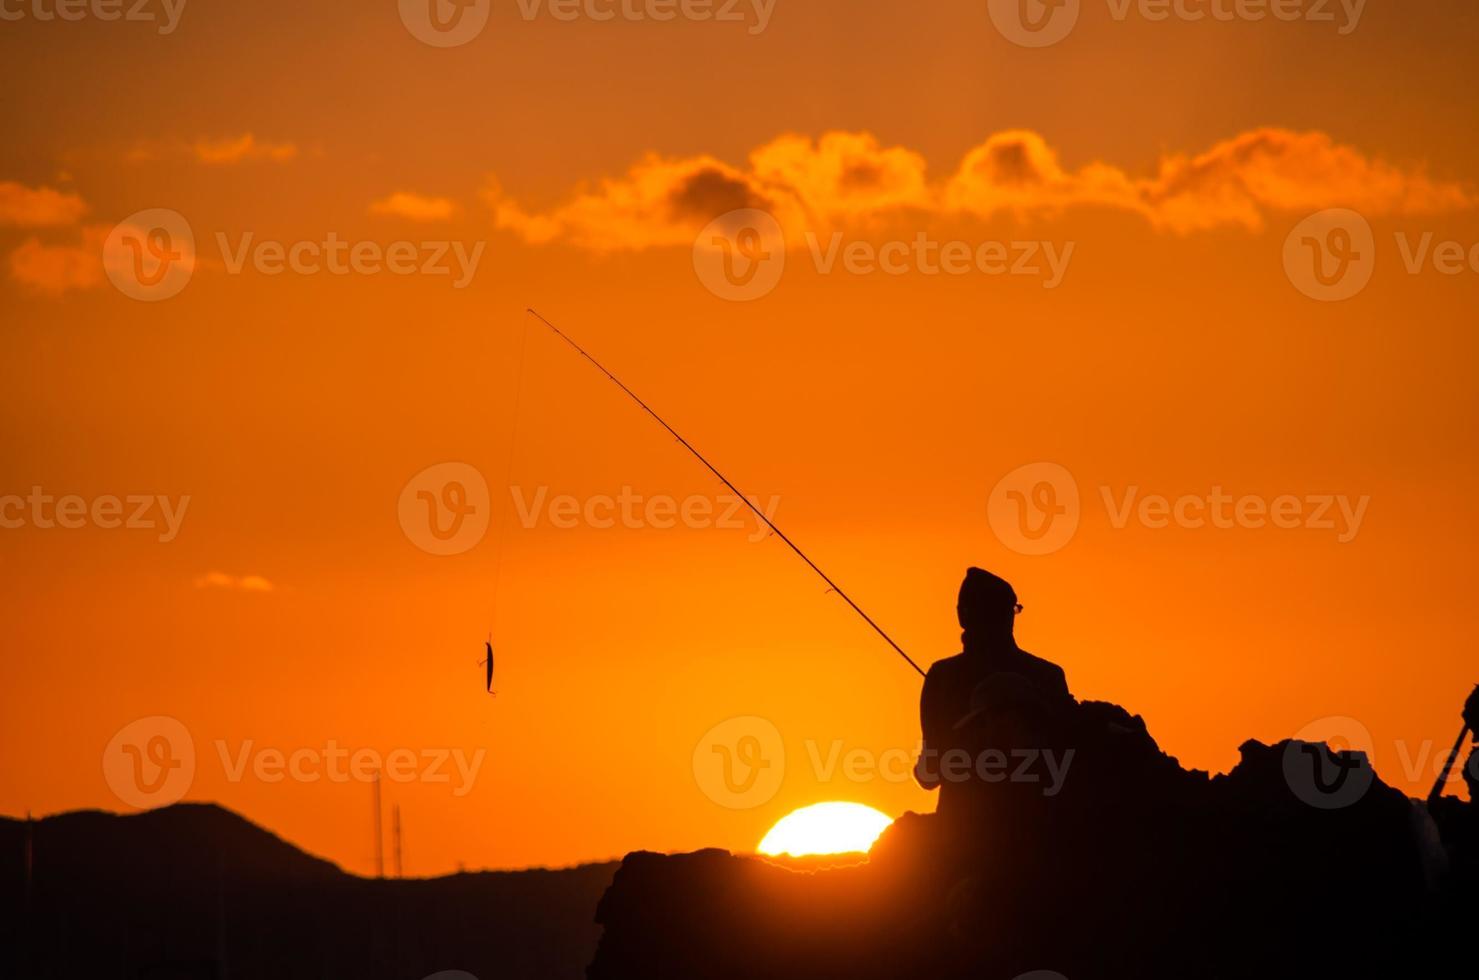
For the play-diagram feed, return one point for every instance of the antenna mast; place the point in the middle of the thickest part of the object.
(379, 833)
(395, 824)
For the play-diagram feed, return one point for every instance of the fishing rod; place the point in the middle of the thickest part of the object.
(725, 480)
(1442, 783)
(1458, 748)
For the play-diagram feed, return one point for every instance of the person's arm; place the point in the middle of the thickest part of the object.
(1060, 683)
(927, 768)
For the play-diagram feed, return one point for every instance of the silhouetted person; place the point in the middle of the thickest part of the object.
(1458, 820)
(1471, 769)
(992, 679)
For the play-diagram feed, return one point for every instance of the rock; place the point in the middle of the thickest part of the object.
(1299, 863)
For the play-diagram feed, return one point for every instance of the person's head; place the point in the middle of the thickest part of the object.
(987, 605)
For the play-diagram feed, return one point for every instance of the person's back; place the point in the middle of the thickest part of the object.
(986, 678)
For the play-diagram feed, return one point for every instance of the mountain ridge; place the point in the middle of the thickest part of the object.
(197, 890)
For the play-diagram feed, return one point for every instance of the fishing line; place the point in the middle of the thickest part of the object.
(725, 480)
(500, 536)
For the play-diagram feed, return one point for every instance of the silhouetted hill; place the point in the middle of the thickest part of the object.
(182, 891)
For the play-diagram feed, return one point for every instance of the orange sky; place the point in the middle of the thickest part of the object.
(1174, 356)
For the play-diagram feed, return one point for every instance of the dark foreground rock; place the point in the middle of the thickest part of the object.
(1298, 863)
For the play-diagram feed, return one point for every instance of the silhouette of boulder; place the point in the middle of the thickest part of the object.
(1300, 862)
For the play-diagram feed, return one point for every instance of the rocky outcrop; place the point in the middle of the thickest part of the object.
(1298, 863)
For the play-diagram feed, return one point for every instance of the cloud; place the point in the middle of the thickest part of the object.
(239, 148)
(212, 152)
(842, 177)
(658, 202)
(1018, 172)
(1278, 170)
(414, 207)
(850, 180)
(97, 251)
(57, 269)
(238, 583)
(38, 207)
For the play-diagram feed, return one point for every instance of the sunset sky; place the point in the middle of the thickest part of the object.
(1174, 350)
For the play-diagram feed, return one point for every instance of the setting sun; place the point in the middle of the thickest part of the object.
(825, 828)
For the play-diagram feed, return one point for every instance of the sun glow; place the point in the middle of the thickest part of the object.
(825, 828)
